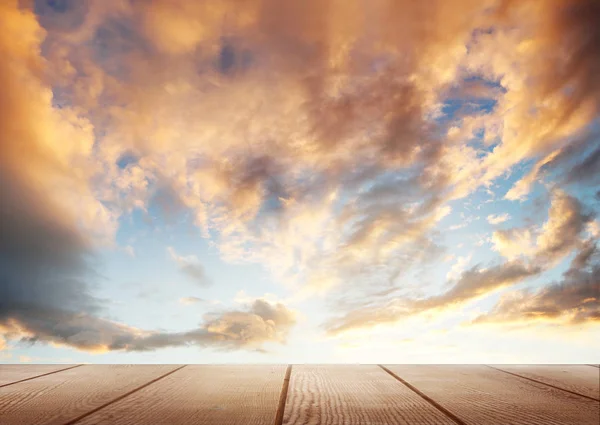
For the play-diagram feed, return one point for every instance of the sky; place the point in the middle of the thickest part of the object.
(316, 181)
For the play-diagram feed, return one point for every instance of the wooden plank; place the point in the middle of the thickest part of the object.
(58, 398)
(480, 395)
(201, 394)
(579, 379)
(354, 394)
(10, 373)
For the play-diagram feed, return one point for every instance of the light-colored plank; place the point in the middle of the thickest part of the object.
(354, 394)
(10, 373)
(201, 394)
(58, 398)
(580, 379)
(480, 395)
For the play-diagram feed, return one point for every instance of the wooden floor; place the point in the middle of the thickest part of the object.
(300, 394)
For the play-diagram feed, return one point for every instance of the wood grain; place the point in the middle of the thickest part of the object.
(479, 395)
(58, 398)
(354, 394)
(201, 394)
(580, 379)
(10, 373)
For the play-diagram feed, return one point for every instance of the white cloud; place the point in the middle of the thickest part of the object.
(498, 218)
(458, 267)
(190, 300)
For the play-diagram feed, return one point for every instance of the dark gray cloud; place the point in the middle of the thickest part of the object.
(44, 262)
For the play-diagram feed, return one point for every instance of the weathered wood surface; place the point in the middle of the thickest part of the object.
(480, 395)
(201, 394)
(11, 373)
(354, 394)
(580, 379)
(61, 397)
(328, 394)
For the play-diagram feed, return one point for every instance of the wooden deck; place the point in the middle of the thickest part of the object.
(299, 394)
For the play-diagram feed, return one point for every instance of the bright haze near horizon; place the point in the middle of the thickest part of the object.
(315, 181)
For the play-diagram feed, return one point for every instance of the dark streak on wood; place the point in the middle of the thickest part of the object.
(426, 398)
(283, 397)
(39, 376)
(544, 383)
(121, 397)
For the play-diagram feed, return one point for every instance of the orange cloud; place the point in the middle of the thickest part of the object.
(308, 136)
(557, 237)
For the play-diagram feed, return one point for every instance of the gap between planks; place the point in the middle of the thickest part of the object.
(283, 396)
(544, 383)
(121, 397)
(435, 404)
(39, 376)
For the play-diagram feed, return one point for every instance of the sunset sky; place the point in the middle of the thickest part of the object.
(295, 181)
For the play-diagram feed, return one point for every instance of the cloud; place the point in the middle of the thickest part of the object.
(261, 323)
(587, 170)
(44, 254)
(514, 243)
(522, 187)
(458, 267)
(191, 266)
(190, 300)
(561, 232)
(498, 218)
(572, 301)
(303, 102)
(46, 249)
(572, 164)
(324, 148)
(557, 237)
(473, 283)
(129, 250)
(528, 253)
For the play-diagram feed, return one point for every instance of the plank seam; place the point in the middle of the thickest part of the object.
(544, 383)
(39, 376)
(283, 396)
(121, 397)
(431, 401)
